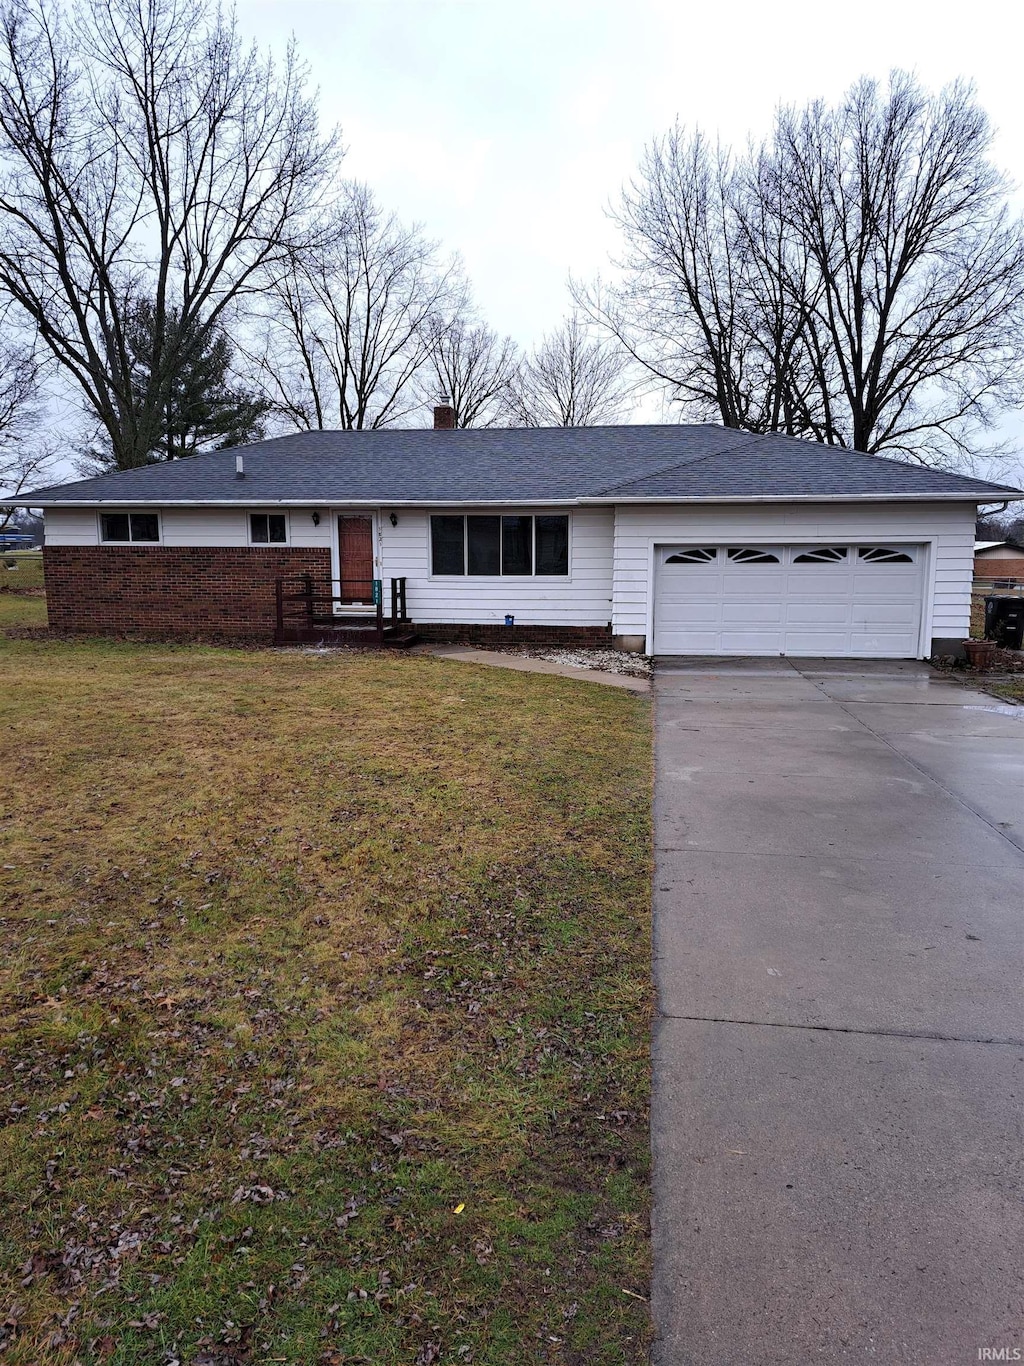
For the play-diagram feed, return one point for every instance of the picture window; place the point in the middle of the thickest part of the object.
(552, 542)
(448, 545)
(486, 546)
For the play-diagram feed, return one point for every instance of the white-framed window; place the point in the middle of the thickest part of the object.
(268, 528)
(129, 528)
(885, 554)
(751, 554)
(489, 545)
(698, 554)
(823, 554)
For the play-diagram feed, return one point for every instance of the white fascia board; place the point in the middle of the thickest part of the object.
(807, 498)
(584, 501)
(294, 502)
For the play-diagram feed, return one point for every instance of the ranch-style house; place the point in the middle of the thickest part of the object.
(667, 539)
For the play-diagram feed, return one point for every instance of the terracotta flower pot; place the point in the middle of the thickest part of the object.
(981, 654)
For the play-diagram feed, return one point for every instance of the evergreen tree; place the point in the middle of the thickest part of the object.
(200, 407)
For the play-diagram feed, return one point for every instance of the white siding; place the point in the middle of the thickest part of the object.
(70, 526)
(204, 526)
(190, 526)
(230, 526)
(583, 598)
(949, 525)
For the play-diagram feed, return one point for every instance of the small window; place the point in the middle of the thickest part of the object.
(129, 526)
(268, 528)
(448, 545)
(698, 555)
(552, 545)
(883, 554)
(750, 555)
(826, 554)
(483, 544)
(517, 545)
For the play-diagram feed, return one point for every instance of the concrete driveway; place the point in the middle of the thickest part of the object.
(839, 1050)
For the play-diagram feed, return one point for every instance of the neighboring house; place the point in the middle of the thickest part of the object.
(670, 539)
(999, 560)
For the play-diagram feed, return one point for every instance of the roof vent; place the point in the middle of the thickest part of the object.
(239, 467)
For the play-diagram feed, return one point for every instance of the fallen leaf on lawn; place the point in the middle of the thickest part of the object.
(459, 1208)
(147, 1321)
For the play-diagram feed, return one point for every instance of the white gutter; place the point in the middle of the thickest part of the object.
(590, 501)
(809, 498)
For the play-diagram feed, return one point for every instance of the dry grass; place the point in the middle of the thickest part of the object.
(18, 609)
(323, 1010)
(1010, 688)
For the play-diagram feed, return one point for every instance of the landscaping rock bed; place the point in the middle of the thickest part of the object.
(602, 659)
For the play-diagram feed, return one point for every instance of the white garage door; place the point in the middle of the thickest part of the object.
(825, 600)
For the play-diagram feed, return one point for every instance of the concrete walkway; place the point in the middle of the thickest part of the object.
(839, 1051)
(528, 665)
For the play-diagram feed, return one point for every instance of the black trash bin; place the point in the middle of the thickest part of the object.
(1004, 621)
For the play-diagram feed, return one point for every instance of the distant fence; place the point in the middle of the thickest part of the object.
(21, 571)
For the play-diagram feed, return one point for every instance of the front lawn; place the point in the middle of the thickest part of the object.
(324, 1010)
(22, 609)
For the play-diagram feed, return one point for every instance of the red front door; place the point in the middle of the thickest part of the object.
(355, 538)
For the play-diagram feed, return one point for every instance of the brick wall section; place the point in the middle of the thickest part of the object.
(172, 593)
(999, 569)
(216, 593)
(514, 635)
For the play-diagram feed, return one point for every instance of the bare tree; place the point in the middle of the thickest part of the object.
(857, 278)
(145, 152)
(21, 469)
(474, 366)
(573, 379)
(704, 307)
(350, 329)
(25, 455)
(919, 269)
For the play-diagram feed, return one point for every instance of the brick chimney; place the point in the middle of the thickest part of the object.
(444, 415)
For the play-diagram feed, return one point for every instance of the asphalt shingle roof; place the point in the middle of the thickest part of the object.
(523, 464)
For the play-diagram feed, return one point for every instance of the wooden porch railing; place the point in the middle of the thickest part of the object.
(302, 606)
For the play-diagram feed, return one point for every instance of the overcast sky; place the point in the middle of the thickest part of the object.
(506, 126)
